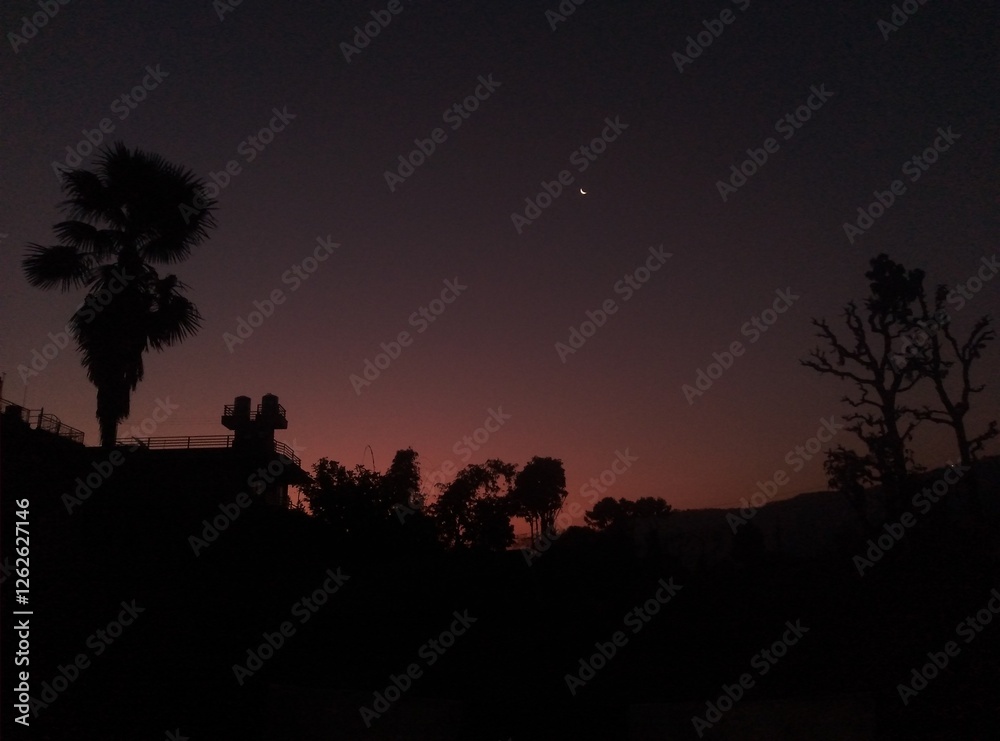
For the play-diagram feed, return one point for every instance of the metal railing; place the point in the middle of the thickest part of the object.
(200, 441)
(286, 450)
(229, 410)
(38, 419)
(187, 441)
(50, 423)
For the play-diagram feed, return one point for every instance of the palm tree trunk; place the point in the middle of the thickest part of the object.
(109, 432)
(109, 412)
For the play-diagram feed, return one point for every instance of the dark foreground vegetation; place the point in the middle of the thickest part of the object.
(180, 607)
(505, 676)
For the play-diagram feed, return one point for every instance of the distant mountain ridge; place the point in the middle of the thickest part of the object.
(806, 525)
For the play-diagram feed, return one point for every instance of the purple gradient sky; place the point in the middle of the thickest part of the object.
(495, 346)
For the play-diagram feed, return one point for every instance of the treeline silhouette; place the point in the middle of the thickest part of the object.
(375, 511)
(215, 573)
(535, 618)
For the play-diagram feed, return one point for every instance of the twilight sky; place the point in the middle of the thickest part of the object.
(500, 292)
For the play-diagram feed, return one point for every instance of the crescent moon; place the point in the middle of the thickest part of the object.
(583, 192)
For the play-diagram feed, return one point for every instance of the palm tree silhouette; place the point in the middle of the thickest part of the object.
(134, 211)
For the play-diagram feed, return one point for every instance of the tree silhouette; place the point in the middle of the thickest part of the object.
(650, 507)
(539, 492)
(850, 473)
(609, 513)
(938, 353)
(400, 485)
(347, 499)
(881, 420)
(372, 511)
(474, 510)
(124, 218)
(606, 512)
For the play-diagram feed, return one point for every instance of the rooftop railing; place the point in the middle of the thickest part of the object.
(230, 411)
(200, 441)
(38, 419)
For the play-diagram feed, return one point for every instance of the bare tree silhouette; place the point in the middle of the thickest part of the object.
(867, 359)
(939, 354)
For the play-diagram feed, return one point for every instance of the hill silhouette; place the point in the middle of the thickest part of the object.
(692, 602)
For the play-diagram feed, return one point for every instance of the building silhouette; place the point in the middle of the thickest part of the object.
(42, 454)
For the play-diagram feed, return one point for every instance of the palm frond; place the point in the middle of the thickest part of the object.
(101, 243)
(175, 317)
(88, 199)
(166, 206)
(60, 265)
